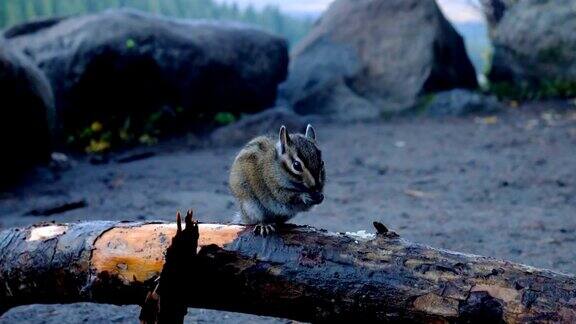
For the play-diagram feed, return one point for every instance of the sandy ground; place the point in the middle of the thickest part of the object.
(502, 186)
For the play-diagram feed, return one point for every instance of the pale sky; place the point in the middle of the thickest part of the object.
(455, 10)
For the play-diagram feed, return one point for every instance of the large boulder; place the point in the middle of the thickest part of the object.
(107, 66)
(26, 105)
(461, 102)
(368, 57)
(535, 48)
(494, 10)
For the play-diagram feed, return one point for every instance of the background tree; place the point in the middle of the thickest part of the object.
(270, 18)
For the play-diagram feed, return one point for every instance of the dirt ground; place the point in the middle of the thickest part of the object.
(501, 186)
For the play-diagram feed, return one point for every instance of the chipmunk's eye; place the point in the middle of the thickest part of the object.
(297, 166)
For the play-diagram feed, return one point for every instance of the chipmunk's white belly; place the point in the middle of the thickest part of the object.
(283, 211)
(253, 211)
(270, 211)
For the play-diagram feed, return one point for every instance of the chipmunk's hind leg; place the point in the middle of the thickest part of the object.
(253, 213)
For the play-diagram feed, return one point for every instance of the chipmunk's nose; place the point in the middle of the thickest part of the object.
(317, 197)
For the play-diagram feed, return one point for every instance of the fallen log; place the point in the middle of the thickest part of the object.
(302, 273)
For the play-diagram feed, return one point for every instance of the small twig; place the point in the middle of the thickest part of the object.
(134, 157)
(419, 194)
(383, 231)
(380, 228)
(58, 209)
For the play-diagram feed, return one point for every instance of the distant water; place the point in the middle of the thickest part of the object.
(477, 43)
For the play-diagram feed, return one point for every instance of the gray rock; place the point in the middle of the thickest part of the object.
(336, 101)
(461, 102)
(494, 10)
(535, 47)
(365, 57)
(103, 313)
(31, 26)
(266, 122)
(26, 108)
(120, 63)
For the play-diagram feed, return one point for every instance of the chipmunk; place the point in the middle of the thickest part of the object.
(273, 180)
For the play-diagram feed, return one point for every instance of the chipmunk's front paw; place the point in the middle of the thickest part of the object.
(264, 229)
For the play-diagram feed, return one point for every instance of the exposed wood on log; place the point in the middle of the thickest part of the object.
(137, 253)
(301, 273)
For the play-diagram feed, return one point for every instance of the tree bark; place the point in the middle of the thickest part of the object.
(301, 273)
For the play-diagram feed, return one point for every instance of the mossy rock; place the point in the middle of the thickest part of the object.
(142, 76)
(535, 50)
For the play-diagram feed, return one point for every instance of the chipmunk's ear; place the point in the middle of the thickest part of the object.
(310, 132)
(284, 139)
